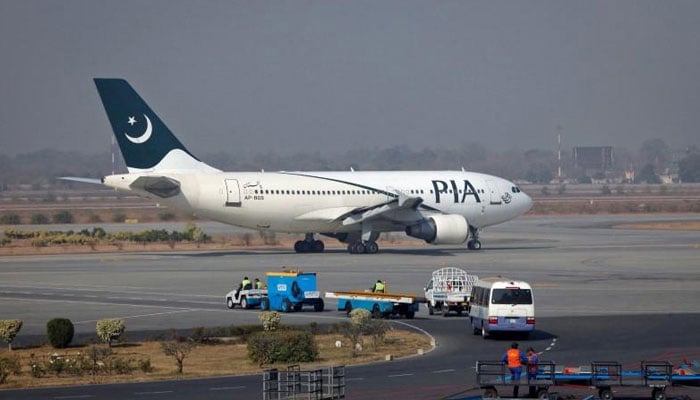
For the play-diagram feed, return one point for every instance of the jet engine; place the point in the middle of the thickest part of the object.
(441, 229)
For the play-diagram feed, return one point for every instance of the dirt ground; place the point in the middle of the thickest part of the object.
(204, 360)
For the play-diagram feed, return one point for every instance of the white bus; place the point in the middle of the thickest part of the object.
(501, 305)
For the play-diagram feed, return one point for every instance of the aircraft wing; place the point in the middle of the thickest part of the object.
(356, 215)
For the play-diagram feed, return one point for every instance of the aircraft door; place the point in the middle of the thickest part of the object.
(233, 193)
(494, 198)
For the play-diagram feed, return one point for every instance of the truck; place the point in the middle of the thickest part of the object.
(291, 291)
(449, 290)
(379, 304)
(248, 298)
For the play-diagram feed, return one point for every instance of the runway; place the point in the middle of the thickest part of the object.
(599, 292)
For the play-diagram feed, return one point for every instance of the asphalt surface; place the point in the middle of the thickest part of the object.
(600, 293)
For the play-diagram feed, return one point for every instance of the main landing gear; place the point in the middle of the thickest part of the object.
(363, 247)
(309, 245)
(474, 243)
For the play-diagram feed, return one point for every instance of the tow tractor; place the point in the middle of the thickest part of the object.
(379, 304)
(601, 375)
(247, 298)
(449, 289)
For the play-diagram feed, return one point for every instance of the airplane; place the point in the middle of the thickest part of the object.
(354, 207)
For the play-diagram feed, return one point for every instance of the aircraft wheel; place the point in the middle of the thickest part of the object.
(299, 246)
(229, 303)
(474, 245)
(356, 248)
(371, 247)
(317, 246)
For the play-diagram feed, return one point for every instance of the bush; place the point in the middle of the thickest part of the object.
(282, 346)
(39, 219)
(270, 320)
(9, 329)
(60, 332)
(9, 365)
(145, 365)
(121, 366)
(110, 329)
(10, 219)
(63, 217)
(98, 359)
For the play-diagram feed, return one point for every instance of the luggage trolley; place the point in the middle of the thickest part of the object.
(491, 374)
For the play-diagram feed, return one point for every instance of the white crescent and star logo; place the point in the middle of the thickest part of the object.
(146, 134)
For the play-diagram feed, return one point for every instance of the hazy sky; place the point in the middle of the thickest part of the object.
(288, 76)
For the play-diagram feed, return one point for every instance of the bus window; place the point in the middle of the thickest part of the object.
(511, 296)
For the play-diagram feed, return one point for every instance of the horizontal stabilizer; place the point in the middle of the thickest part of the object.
(93, 181)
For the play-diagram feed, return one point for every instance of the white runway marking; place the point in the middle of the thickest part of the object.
(79, 396)
(442, 371)
(399, 375)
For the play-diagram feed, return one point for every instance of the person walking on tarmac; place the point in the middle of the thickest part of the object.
(378, 286)
(515, 360)
(532, 370)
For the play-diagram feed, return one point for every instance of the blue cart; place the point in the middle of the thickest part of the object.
(287, 291)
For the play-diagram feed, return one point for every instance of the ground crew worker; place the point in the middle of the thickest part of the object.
(378, 286)
(244, 285)
(258, 284)
(532, 370)
(515, 360)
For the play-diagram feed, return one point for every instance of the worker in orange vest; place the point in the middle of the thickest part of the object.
(515, 359)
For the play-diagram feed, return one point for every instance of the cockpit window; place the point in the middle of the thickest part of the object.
(515, 189)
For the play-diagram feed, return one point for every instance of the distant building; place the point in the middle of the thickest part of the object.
(593, 159)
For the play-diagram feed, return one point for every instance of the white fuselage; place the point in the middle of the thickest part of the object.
(316, 201)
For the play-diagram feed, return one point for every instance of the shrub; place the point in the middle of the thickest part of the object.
(121, 366)
(10, 219)
(178, 350)
(282, 346)
(9, 329)
(9, 365)
(97, 357)
(145, 365)
(5, 242)
(110, 329)
(270, 320)
(63, 217)
(39, 219)
(59, 331)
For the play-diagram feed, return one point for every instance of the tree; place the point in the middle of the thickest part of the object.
(689, 168)
(647, 175)
(178, 350)
(9, 329)
(110, 329)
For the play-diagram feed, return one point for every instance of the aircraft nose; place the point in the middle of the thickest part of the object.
(526, 202)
